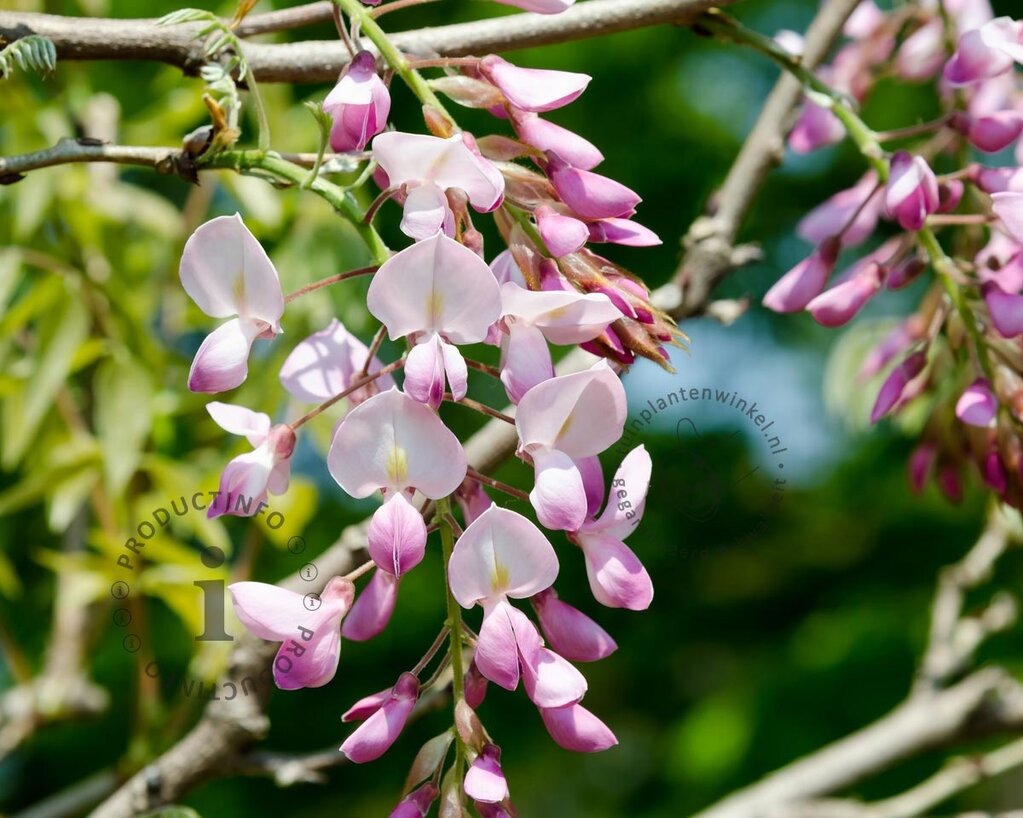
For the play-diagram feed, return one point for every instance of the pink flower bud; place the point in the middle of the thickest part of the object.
(994, 473)
(977, 406)
(561, 234)
(540, 6)
(905, 272)
(475, 686)
(569, 631)
(384, 724)
(417, 803)
(533, 89)
(832, 216)
(841, 303)
(951, 483)
(950, 193)
(912, 193)
(589, 194)
(895, 342)
(986, 52)
(896, 384)
(551, 138)
(815, 128)
(576, 728)
(359, 105)
(373, 608)
(1006, 310)
(485, 780)
(800, 285)
(990, 133)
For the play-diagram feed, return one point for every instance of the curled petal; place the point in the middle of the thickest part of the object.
(561, 234)
(484, 781)
(624, 232)
(626, 498)
(222, 362)
(549, 679)
(426, 212)
(978, 406)
(558, 495)
(841, 303)
(800, 285)
(526, 360)
(551, 138)
(254, 426)
(424, 372)
(533, 89)
(373, 737)
(497, 656)
(372, 608)
(617, 577)
(312, 662)
(589, 194)
(895, 385)
(564, 316)
(576, 728)
(571, 632)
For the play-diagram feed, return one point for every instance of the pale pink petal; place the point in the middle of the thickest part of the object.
(397, 535)
(550, 680)
(912, 192)
(832, 216)
(1008, 207)
(576, 728)
(500, 554)
(525, 360)
(392, 441)
(626, 498)
(373, 737)
(497, 656)
(424, 371)
(625, 232)
(436, 285)
(226, 272)
(326, 363)
(815, 128)
(1006, 310)
(841, 303)
(254, 426)
(800, 285)
(505, 269)
(426, 212)
(243, 484)
(569, 631)
(580, 414)
(564, 316)
(593, 481)
(222, 361)
(533, 89)
(268, 611)
(484, 781)
(372, 608)
(366, 706)
(540, 6)
(617, 577)
(456, 370)
(558, 495)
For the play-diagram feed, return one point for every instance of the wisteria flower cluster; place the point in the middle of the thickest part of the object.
(439, 296)
(952, 191)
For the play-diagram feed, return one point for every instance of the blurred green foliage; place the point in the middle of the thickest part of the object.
(756, 650)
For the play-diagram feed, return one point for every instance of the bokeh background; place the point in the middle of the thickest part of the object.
(782, 620)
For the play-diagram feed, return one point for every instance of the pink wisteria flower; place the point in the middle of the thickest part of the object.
(535, 90)
(228, 274)
(540, 6)
(248, 478)
(896, 386)
(425, 167)
(561, 422)
(851, 214)
(575, 728)
(485, 781)
(841, 303)
(438, 293)
(571, 632)
(589, 194)
(804, 282)
(397, 446)
(359, 105)
(310, 640)
(502, 555)
(912, 194)
(327, 363)
(532, 318)
(617, 577)
(550, 138)
(986, 52)
(383, 717)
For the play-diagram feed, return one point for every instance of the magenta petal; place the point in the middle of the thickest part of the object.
(912, 193)
(623, 231)
(841, 303)
(804, 282)
(373, 737)
(366, 706)
(551, 138)
(417, 803)
(309, 659)
(526, 360)
(533, 89)
(549, 679)
(978, 406)
(561, 234)
(591, 195)
(485, 780)
(397, 536)
(1006, 310)
(895, 384)
(372, 608)
(475, 686)
(571, 632)
(576, 728)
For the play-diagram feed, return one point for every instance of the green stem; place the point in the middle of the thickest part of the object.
(272, 164)
(454, 623)
(263, 140)
(356, 11)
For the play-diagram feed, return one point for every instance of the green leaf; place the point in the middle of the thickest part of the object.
(59, 338)
(122, 417)
(33, 53)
